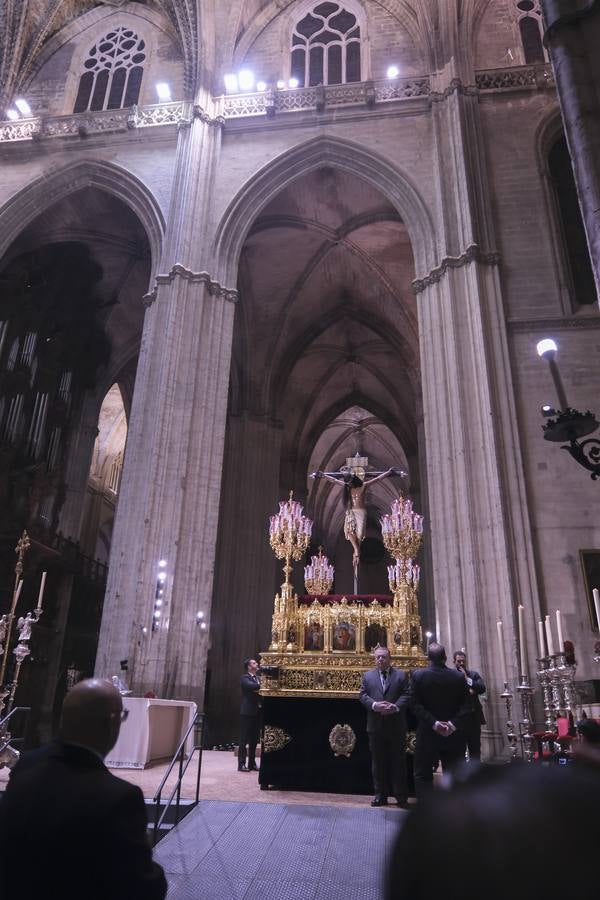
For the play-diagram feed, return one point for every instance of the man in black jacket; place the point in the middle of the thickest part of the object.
(475, 719)
(438, 698)
(249, 716)
(68, 827)
(384, 694)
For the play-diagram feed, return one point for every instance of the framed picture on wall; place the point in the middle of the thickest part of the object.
(590, 561)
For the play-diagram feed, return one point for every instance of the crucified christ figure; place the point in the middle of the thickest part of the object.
(355, 486)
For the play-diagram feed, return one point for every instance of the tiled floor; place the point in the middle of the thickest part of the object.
(279, 851)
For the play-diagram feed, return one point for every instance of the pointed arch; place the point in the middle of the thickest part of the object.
(339, 153)
(44, 192)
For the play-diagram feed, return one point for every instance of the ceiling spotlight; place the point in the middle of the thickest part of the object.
(393, 72)
(547, 348)
(293, 83)
(261, 85)
(164, 91)
(23, 107)
(12, 114)
(246, 80)
(280, 84)
(231, 82)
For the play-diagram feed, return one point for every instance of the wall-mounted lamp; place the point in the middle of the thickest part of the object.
(200, 620)
(159, 594)
(570, 424)
(428, 636)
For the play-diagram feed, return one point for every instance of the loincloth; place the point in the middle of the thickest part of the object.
(355, 522)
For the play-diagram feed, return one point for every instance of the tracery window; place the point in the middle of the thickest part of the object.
(113, 72)
(326, 46)
(531, 28)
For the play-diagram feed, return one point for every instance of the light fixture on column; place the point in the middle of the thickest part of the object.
(570, 424)
(163, 91)
(200, 620)
(159, 595)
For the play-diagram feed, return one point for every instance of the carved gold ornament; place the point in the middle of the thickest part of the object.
(342, 740)
(274, 738)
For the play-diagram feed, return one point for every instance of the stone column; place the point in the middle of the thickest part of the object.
(77, 473)
(480, 535)
(247, 573)
(169, 501)
(573, 36)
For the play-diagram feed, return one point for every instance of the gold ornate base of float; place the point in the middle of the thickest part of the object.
(324, 648)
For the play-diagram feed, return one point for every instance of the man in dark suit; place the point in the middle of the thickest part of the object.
(476, 718)
(68, 827)
(249, 716)
(438, 699)
(384, 694)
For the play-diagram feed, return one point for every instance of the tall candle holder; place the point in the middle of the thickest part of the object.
(507, 696)
(289, 537)
(318, 576)
(402, 530)
(402, 535)
(545, 677)
(526, 693)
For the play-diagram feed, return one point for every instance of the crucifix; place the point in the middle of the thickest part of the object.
(355, 480)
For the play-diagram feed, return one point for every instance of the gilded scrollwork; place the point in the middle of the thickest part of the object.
(342, 740)
(274, 739)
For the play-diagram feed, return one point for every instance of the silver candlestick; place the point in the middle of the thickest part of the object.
(507, 696)
(545, 677)
(526, 693)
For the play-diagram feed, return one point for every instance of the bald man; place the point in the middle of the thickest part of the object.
(68, 827)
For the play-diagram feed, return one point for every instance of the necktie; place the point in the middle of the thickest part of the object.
(384, 676)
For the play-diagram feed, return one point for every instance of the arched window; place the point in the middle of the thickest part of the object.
(326, 46)
(113, 72)
(530, 26)
(571, 222)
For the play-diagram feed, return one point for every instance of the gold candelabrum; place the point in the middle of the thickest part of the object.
(289, 536)
(8, 755)
(318, 576)
(402, 534)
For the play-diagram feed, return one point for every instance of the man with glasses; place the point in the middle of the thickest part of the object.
(68, 827)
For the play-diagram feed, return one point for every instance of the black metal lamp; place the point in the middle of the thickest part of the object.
(570, 424)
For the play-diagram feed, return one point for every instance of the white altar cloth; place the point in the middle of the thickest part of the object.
(153, 730)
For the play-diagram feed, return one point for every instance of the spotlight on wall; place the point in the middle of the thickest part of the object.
(246, 80)
(12, 114)
(570, 424)
(392, 71)
(163, 91)
(280, 84)
(293, 83)
(261, 86)
(200, 620)
(23, 107)
(231, 82)
(161, 577)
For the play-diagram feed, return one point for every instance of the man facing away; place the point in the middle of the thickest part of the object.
(475, 719)
(249, 716)
(384, 694)
(68, 827)
(438, 698)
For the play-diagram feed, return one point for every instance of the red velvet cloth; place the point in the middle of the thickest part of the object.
(307, 599)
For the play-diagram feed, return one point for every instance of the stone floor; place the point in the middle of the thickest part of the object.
(220, 780)
(279, 851)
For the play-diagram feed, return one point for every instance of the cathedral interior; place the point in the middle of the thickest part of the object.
(242, 242)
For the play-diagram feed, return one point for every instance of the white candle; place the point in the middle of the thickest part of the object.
(502, 654)
(542, 647)
(18, 594)
(41, 593)
(523, 670)
(596, 594)
(549, 640)
(561, 643)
